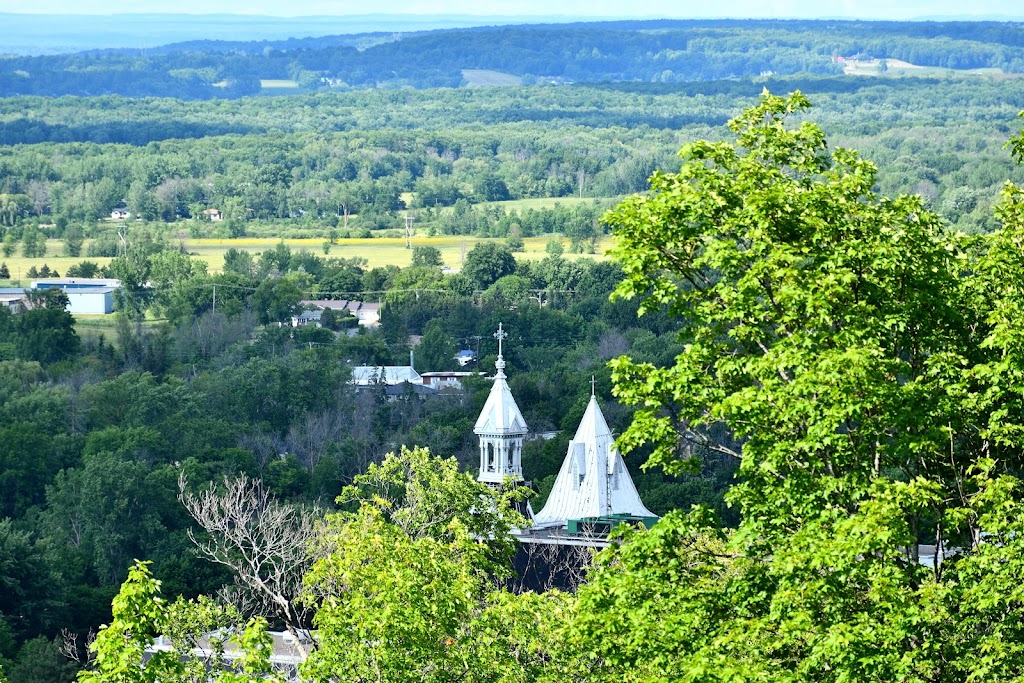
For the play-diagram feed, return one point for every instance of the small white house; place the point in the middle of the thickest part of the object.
(309, 316)
(14, 300)
(451, 380)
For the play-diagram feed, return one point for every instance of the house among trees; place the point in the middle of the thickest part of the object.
(213, 215)
(120, 214)
(448, 379)
(367, 314)
(307, 316)
(14, 299)
(465, 357)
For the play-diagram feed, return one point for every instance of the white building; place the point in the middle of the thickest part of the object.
(447, 379)
(308, 316)
(13, 299)
(91, 296)
(214, 649)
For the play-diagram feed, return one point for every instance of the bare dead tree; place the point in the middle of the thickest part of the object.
(74, 650)
(267, 544)
(556, 565)
(311, 439)
(265, 447)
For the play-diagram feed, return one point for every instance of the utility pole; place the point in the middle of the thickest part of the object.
(214, 297)
(408, 231)
(124, 241)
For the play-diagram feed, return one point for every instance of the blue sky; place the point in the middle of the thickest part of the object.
(866, 9)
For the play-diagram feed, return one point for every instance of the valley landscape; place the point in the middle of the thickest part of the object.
(268, 281)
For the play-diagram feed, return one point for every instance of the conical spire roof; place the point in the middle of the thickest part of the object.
(593, 480)
(500, 415)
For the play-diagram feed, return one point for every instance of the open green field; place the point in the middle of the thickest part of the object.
(376, 251)
(476, 78)
(18, 265)
(546, 202)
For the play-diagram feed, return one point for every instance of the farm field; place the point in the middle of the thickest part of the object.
(376, 251)
(897, 67)
(521, 205)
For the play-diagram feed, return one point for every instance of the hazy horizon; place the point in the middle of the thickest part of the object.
(532, 9)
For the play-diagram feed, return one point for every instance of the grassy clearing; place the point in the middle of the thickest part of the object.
(277, 83)
(545, 202)
(897, 67)
(90, 328)
(376, 251)
(476, 78)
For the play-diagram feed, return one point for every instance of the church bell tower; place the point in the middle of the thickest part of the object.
(500, 429)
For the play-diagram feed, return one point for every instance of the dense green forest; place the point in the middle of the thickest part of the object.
(655, 51)
(302, 166)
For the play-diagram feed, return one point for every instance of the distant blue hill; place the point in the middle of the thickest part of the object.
(664, 51)
(39, 34)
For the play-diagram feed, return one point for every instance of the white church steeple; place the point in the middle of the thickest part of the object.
(501, 428)
(593, 481)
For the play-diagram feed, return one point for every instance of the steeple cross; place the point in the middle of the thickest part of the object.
(500, 335)
(593, 385)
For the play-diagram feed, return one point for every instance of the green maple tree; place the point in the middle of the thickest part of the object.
(867, 362)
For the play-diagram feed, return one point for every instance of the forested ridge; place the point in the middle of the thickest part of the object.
(301, 166)
(665, 51)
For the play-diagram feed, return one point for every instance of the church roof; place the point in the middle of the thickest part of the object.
(500, 414)
(593, 480)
